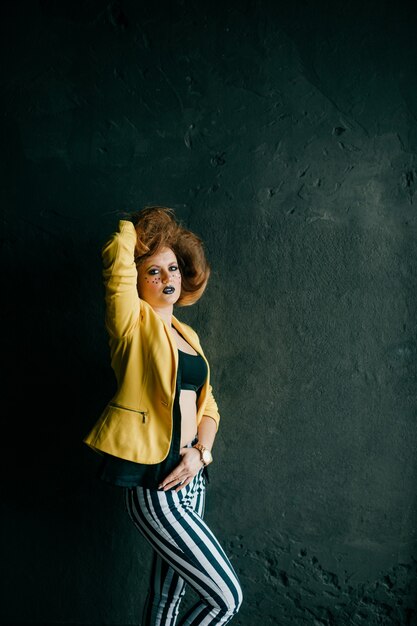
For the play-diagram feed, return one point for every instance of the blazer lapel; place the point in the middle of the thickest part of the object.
(187, 336)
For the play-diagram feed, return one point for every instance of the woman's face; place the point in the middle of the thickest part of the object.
(159, 279)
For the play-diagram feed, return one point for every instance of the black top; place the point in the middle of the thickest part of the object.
(192, 372)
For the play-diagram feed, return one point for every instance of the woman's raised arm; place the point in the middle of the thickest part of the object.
(120, 280)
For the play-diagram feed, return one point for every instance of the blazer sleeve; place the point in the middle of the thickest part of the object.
(120, 280)
(211, 408)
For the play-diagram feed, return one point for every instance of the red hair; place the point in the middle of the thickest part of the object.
(156, 228)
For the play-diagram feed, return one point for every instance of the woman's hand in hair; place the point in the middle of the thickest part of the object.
(185, 471)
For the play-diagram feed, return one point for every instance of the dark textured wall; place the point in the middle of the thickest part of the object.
(286, 136)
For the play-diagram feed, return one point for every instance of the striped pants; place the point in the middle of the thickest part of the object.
(184, 551)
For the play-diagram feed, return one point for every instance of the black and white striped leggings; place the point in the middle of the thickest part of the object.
(185, 550)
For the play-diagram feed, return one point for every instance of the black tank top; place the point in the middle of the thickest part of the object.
(193, 370)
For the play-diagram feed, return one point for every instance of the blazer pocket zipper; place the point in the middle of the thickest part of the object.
(125, 408)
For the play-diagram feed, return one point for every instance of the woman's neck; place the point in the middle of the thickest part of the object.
(165, 313)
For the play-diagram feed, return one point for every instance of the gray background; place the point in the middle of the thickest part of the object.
(285, 135)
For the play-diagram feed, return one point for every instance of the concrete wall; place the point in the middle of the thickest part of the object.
(286, 136)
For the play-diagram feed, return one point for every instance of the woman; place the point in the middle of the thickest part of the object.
(157, 432)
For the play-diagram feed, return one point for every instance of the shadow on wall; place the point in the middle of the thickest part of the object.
(57, 374)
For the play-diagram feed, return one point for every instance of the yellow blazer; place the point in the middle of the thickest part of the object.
(137, 422)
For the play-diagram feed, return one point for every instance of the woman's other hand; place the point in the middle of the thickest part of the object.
(185, 471)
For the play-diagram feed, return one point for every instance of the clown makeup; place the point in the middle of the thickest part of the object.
(159, 279)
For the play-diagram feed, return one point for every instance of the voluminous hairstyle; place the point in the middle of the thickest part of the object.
(157, 227)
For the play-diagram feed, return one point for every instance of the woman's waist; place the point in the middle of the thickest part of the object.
(188, 411)
(188, 404)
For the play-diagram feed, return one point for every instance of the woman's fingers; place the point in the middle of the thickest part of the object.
(183, 484)
(181, 474)
(170, 481)
(188, 467)
(177, 475)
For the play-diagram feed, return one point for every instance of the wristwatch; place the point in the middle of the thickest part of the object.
(205, 454)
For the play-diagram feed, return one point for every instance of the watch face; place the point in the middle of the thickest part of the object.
(206, 456)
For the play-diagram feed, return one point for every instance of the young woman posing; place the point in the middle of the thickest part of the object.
(157, 432)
